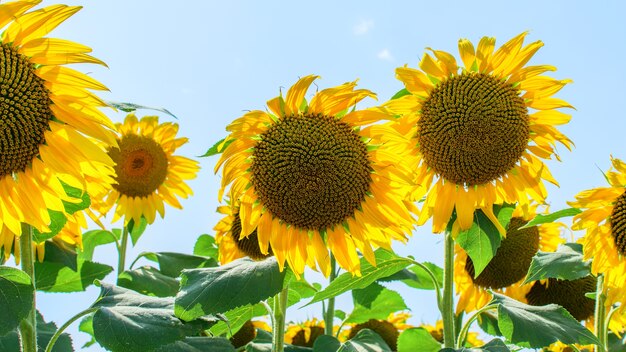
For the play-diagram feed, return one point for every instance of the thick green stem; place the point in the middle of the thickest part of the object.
(600, 315)
(465, 329)
(329, 314)
(447, 303)
(121, 263)
(58, 333)
(278, 328)
(28, 326)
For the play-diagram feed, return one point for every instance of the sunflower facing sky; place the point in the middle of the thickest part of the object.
(603, 218)
(318, 175)
(509, 266)
(476, 140)
(50, 125)
(148, 173)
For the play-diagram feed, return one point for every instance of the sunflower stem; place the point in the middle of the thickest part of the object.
(465, 329)
(122, 253)
(28, 326)
(278, 328)
(60, 331)
(329, 314)
(600, 315)
(447, 312)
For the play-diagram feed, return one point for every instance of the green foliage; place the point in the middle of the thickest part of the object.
(488, 322)
(86, 326)
(77, 193)
(57, 222)
(131, 107)
(235, 318)
(326, 343)
(16, 297)
(566, 264)
(365, 341)
(415, 276)
(215, 148)
(402, 92)
(417, 340)
(205, 247)
(387, 264)
(374, 302)
(172, 264)
(495, 345)
(197, 344)
(217, 290)
(93, 239)
(128, 321)
(536, 327)
(136, 230)
(149, 281)
(45, 331)
(482, 240)
(544, 219)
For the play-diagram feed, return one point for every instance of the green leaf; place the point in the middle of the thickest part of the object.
(83, 197)
(205, 246)
(365, 341)
(495, 345)
(539, 326)
(566, 264)
(482, 240)
(402, 92)
(45, 331)
(488, 322)
(149, 281)
(54, 253)
(417, 340)
(543, 219)
(326, 343)
(93, 239)
(171, 264)
(128, 321)
(340, 314)
(56, 277)
(135, 231)
(374, 302)
(199, 344)
(57, 222)
(267, 347)
(415, 276)
(214, 148)
(217, 290)
(304, 289)
(16, 297)
(131, 107)
(86, 326)
(387, 264)
(235, 318)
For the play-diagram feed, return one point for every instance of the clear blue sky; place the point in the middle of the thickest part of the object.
(209, 61)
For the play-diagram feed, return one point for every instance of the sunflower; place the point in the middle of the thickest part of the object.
(436, 331)
(248, 332)
(475, 142)
(148, 172)
(229, 241)
(304, 334)
(508, 268)
(318, 175)
(51, 127)
(604, 219)
(388, 329)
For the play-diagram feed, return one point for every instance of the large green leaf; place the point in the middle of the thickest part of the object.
(539, 326)
(566, 264)
(56, 277)
(365, 341)
(45, 331)
(129, 321)
(387, 264)
(326, 343)
(136, 230)
(543, 219)
(149, 281)
(235, 318)
(374, 302)
(415, 276)
(482, 240)
(206, 247)
(57, 222)
(495, 345)
(217, 290)
(16, 297)
(199, 344)
(93, 239)
(171, 264)
(82, 199)
(488, 322)
(417, 340)
(86, 326)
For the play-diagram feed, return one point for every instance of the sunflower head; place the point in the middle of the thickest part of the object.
(389, 329)
(148, 172)
(570, 294)
(480, 129)
(316, 176)
(304, 334)
(248, 332)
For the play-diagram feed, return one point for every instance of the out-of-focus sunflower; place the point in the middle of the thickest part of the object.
(475, 142)
(508, 268)
(248, 332)
(50, 125)
(304, 334)
(148, 172)
(604, 219)
(436, 331)
(316, 176)
(228, 238)
(388, 329)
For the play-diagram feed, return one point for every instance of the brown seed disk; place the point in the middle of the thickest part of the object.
(568, 294)
(385, 329)
(618, 223)
(300, 339)
(249, 245)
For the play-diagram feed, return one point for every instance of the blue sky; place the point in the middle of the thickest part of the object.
(209, 61)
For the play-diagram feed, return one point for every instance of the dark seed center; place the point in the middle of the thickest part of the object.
(249, 245)
(300, 338)
(618, 223)
(385, 329)
(568, 294)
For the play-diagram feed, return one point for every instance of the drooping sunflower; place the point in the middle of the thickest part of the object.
(228, 238)
(477, 139)
(436, 331)
(304, 334)
(603, 218)
(508, 268)
(50, 123)
(569, 294)
(389, 329)
(316, 176)
(148, 173)
(248, 332)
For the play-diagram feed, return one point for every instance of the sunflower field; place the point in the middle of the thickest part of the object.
(195, 185)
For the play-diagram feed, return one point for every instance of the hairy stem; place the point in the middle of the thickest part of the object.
(329, 314)
(447, 305)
